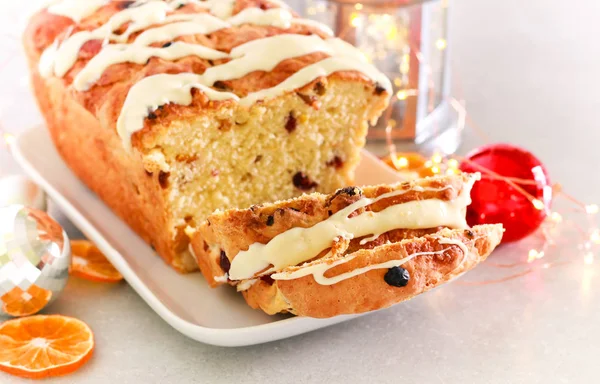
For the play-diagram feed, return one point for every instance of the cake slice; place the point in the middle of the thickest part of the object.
(356, 250)
(169, 110)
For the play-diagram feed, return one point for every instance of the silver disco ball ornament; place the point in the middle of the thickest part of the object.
(35, 255)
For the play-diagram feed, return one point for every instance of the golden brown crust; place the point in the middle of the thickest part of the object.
(369, 291)
(121, 180)
(235, 230)
(82, 124)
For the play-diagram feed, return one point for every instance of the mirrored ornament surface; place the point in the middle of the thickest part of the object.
(35, 256)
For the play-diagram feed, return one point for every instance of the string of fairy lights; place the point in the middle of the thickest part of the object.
(418, 165)
(414, 164)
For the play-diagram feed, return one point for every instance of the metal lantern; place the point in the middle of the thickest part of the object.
(409, 42)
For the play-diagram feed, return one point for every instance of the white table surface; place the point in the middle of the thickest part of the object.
(529, 74)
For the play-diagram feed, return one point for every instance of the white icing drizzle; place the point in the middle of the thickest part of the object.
(251, 57)
(277, 17)
(60, 61)
(315, 24)
(245, 285)
(221, 279)
(150, 92)
(181, 24)
(460, 244)
(158, 90)
(139, 17)
(46, 64)
(119, 53)
(76, 10)
(154, 91)
(298, 245)
(220, 8)
(318, 270)
(369, 239)
(309, 73)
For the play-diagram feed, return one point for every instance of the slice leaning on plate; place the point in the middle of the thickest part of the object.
(353, 251)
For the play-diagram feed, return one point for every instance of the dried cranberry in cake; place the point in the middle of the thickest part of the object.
(224, 262)
(167, 45)
(222, 86)
(303, 182)
(291, 123)
(397, 277)
(125, 4)
(379, 89)
(270, 220)
(336, 162)
(267, 279)
(350, 191)
(163, 179)
(320, 88)
(308, 99)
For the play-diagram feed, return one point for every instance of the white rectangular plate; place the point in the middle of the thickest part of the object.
(214, 316)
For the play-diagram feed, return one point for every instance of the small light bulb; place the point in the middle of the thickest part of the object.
(355, 20)
(532, 255)
(398, 82)
(453, 163)
(437, 158)
(435, 169)
(595, 236)
(404, 67)
(592, 209)
(10, 139)
(538, 204)
(588, 258)
(441, 44)
(556, 217)
(403, 162)
(392, 33)
(402, 95)
(358, 6)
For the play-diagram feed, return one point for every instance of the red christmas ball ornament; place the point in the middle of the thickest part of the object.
(496, 201)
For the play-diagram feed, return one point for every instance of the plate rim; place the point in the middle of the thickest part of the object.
(224, 337)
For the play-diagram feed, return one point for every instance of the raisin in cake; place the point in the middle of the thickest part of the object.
(356, 250)
(169, 110)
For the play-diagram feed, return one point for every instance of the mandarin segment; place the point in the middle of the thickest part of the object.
(44, 345)
(89, 263)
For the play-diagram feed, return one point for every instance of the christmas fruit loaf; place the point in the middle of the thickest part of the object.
(353, 251)
(169, 110)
